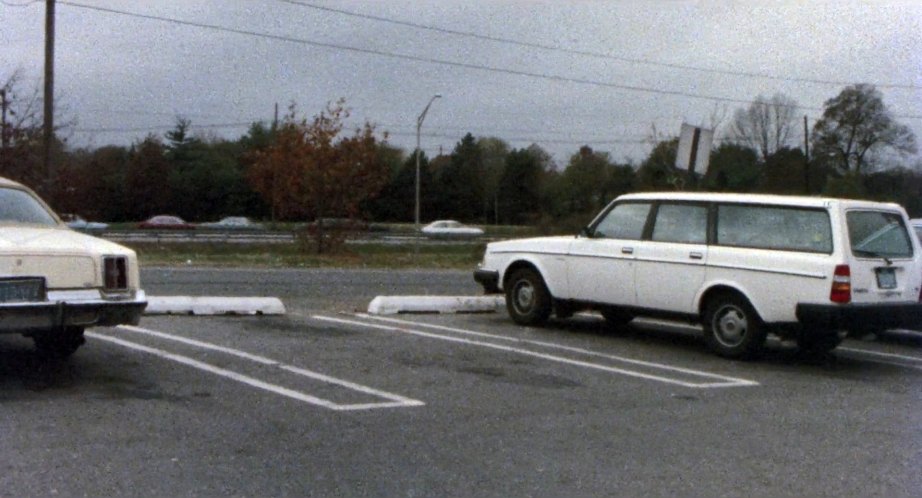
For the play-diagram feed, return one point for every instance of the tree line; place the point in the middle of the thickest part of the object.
(302, 169)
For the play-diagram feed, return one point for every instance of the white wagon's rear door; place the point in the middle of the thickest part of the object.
(669, 268)
(883, 262)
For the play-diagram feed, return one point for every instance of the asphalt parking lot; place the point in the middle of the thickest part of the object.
(330, 401)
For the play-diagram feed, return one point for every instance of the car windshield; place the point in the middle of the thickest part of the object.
(19, 207)
(878, 234)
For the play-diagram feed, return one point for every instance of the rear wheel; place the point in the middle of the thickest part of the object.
(59, 343)
(527, 298)
(732, 328)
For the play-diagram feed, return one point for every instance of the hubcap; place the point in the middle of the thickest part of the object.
(524, 296)
(730, 325)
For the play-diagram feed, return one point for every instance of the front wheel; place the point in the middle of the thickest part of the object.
(527, 298)
(732, 328)
(60, 343)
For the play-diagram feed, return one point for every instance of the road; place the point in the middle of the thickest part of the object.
(328, 401)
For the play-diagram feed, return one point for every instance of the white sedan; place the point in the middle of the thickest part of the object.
(78, 222)
(54, 282)
(450, 228)
(233, 223)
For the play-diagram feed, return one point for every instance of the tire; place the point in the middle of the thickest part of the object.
(527, 298)
(818, 342)
(732, 328)
(59, 344)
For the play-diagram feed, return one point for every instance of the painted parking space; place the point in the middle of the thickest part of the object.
(553, 352)
(368, 398)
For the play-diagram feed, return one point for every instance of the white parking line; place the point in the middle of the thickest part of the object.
(725, 381)
(394, 400)
(884, 355)
(887, 356)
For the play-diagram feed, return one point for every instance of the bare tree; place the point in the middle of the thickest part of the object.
(21, 107)
(855, 124)
(767, 125)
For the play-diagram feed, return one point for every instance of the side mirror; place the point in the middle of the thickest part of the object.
(584, 232)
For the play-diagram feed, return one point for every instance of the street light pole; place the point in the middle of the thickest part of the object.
(419, 125)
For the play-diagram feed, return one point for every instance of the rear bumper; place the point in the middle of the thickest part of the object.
(75, 309)
(858, 316)
(489, 279)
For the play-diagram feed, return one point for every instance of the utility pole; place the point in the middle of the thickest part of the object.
(4, 137)
(49, 95)
(419, 125)
(806, 158)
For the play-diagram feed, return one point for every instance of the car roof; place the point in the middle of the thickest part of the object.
(784, 200)
(6, 182)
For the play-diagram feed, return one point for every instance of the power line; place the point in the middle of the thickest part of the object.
(430, 60)
(13, 4)
(160, 127)
(587, 53)
(454, 136)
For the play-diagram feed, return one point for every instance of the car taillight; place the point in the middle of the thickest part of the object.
(115, 274)
(841, 285)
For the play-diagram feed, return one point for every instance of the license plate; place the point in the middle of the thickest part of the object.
(886, 278)
(22, 289)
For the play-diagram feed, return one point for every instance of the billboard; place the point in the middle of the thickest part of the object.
(694, 149)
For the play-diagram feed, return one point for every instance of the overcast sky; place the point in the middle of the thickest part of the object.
(557, 73)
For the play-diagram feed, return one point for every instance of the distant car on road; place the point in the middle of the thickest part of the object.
(450, 228)
(165, 222)
(77, 222)
(233, 223)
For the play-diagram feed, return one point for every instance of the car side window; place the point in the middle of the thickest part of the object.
(682, 223)
(778, 228)
(625, 221)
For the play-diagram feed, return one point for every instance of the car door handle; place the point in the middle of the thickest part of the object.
(696, 255)
(627, 250)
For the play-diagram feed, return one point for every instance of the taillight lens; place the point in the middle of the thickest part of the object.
(115, 273)
(841, 285)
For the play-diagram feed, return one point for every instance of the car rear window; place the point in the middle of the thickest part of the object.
(878, 234)
(18, 206)
(772, 227)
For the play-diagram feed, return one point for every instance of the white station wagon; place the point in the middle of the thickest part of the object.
(54, 282)
(804, 268)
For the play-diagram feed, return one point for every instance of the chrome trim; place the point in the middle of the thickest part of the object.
(818, 276)
(74, 295)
